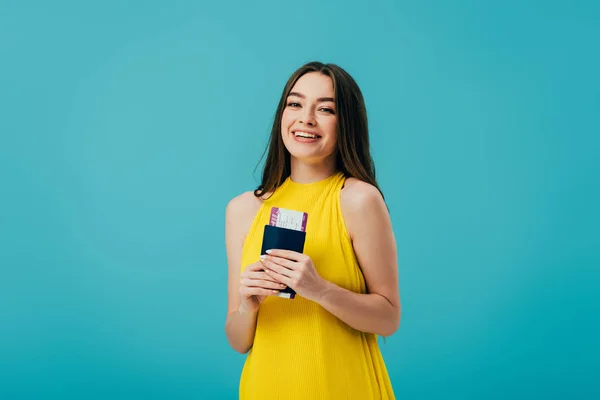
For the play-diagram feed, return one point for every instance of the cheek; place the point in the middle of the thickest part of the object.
(284, 123)
(334, 137)
(332, 129)
(286, 119)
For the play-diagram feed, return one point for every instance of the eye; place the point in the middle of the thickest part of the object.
(293, 104)
(328, 110)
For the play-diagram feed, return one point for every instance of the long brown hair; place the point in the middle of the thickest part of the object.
(353, 149)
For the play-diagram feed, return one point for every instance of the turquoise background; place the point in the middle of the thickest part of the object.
(126, 128)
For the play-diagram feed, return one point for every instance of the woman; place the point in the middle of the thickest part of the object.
(322, 344)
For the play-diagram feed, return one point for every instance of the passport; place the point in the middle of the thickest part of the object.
(275, 237)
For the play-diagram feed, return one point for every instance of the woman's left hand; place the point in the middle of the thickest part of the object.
(295, 270)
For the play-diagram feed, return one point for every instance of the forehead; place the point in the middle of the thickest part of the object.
(314, 84)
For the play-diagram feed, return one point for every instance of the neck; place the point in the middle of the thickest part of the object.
(304, 172)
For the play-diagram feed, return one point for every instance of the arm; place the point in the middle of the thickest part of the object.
(369, 225)
(240, 324)
(370, 229)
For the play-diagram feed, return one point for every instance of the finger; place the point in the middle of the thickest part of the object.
(284, 262)
(270, 265)
(254, 271)
(265, 284)
(254, 267)
(257, 276)
(261, 275)
(281, 278)
(290, 255)
(255, 291)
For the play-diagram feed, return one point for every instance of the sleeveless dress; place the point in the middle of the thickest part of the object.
(300, 350)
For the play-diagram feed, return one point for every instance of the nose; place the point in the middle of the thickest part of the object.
(308, 117)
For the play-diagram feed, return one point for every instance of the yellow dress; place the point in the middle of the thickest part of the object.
(300, 350)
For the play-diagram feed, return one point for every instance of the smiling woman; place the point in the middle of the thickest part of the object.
(310, 118)
(322, 344)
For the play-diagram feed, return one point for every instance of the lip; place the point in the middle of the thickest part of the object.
(306, 131)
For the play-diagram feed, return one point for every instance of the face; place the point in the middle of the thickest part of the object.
(309, 120)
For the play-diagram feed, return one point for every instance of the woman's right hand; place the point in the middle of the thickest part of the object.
(255, 286)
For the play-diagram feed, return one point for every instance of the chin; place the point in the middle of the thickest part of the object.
(303, 154)
(308, 156)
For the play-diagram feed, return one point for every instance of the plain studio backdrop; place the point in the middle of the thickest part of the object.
(126, 128)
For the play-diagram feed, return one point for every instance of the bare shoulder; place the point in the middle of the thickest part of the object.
(243, 203)
(361, 202)
(357, 194)
(242, 209)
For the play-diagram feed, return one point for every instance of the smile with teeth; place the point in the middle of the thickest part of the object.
(306, 135)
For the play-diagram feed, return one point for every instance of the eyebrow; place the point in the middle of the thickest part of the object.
(320, 99)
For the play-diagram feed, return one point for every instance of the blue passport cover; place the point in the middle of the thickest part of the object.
(275, 237)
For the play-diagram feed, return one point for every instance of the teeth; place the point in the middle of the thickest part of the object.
(305, 135)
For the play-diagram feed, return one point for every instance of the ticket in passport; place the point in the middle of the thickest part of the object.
(289, 219)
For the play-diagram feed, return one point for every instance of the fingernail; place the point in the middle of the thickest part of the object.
(275, 291)
(262, 257)
(282, 285)
(269, 251)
